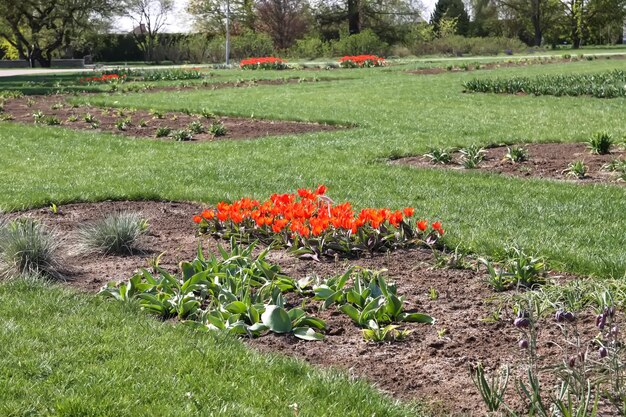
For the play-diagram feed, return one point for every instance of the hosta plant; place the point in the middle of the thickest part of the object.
(237, 293)
(310, 224)
(370, 301)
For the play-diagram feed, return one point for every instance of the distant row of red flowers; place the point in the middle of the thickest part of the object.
(103, 78)
(262, 63)
(361, 61)
(310, 214)
(346, 62)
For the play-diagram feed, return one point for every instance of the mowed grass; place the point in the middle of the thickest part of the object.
(68, 354)
(580, 228)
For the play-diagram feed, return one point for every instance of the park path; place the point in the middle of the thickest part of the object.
(34, 71)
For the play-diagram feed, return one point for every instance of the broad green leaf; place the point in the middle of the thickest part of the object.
(276, 319)
(322, 292)
(352, 312)
(416, 318)
(295, 315)
(306, 333)
(236, 307)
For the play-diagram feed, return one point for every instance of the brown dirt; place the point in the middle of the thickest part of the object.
(472, 66)
(22, 110)
(428, 365)
(546, 160)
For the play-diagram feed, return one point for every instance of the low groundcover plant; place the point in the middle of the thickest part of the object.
(310, 224)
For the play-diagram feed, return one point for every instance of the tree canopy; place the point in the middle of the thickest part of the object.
(38, 28)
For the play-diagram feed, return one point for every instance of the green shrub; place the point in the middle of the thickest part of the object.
(117, 233)
(364, 43)
(459, 45)
(27, 247)
(310, 48)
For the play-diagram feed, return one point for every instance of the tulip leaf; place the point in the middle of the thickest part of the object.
(276, 319)
(306, 333)
(416, 318)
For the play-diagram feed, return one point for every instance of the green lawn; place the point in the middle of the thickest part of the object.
(70, 354)
(67, 354)
(579, 228)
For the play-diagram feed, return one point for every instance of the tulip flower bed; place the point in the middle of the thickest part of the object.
(265, 63)
(311, 225)
(361, 61)
(105, 78)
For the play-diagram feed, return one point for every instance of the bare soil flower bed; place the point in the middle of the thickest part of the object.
(432, 363)
(142, 123)
(545, 160)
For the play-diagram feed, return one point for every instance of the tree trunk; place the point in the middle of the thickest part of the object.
(535, 18)
(354, 18)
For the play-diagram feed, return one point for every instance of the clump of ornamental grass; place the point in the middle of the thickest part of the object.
(27, 247)
(600, 143)
(116, 233)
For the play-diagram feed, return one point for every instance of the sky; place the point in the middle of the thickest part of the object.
(180, 21)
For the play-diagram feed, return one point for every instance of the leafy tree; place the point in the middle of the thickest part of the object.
(283, 20)
(486, 19)
(149, 17)
(39, 28)
(210, 15)
(537, 15)
(391, 20)
(605, 21)
(451, 9)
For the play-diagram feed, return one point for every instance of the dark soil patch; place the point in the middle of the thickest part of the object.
(473, 66)
(546, 160)
(23, 109)
(431, 364)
